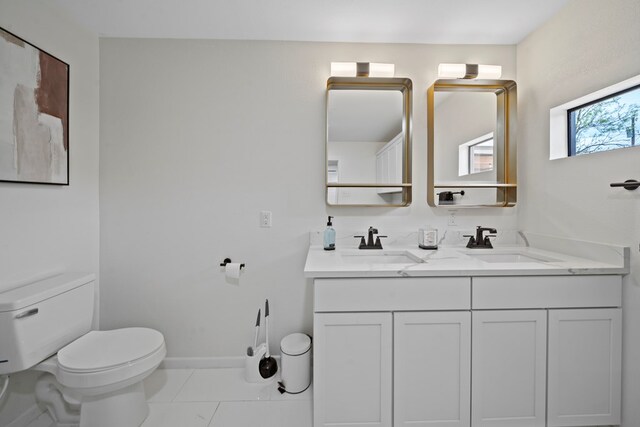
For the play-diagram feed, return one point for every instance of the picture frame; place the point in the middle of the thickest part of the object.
(34, 114)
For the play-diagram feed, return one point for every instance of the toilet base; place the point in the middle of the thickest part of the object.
(126, 407)
(49, 396)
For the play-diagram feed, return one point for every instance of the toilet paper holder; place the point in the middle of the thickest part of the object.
(227, 261)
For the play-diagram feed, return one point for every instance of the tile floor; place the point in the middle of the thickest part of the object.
(217, 398)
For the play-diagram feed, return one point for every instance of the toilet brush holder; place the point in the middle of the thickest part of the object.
(251, 366)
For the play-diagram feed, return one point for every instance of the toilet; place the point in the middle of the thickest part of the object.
(89, 378)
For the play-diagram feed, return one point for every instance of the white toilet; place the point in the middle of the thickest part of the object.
(90, 378)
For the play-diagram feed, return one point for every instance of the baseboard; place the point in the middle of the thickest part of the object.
(27, 417)
(204, 362)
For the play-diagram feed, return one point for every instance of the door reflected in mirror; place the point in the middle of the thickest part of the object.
(368, 135)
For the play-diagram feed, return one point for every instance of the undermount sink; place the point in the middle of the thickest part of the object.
(382, 257)
(509, 258)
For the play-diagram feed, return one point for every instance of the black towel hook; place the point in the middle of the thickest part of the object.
(630, 184)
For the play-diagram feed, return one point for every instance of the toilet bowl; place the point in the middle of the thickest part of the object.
(103, 372)
(90, 378)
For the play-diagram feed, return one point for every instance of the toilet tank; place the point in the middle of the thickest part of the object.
(39, 318)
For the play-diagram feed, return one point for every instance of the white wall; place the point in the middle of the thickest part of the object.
(45, 228)
(191, 132)
(356, 163)
(589, 45)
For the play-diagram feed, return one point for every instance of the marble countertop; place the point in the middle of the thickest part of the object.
(536, 255)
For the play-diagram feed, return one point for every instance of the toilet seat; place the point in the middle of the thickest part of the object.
(102, 358)
(102, 350)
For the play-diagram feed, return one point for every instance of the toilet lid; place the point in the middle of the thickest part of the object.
(99, 350)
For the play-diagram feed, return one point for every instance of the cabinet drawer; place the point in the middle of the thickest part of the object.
(546, 292)
(391, 294)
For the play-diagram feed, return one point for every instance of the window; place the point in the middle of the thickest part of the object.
(476, 155)
(481, 156)
(606, 123)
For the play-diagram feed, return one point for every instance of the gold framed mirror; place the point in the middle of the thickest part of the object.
(471, 135)
(368, 141)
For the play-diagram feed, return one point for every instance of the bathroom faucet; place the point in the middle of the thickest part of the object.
(369, 244)
(479, 241)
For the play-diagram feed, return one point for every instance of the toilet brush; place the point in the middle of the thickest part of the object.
(251, 350)
(255, 338)
(268, 365)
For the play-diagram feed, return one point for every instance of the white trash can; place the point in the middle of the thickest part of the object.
(296, 363)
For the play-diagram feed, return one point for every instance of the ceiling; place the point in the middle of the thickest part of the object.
(386, 21)
(364, 115)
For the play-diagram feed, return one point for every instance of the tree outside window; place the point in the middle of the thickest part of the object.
(605, 124)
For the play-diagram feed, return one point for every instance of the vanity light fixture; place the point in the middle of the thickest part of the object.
(469, 71)
(362, 69)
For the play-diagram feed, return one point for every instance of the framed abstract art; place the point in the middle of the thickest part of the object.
(34, 114)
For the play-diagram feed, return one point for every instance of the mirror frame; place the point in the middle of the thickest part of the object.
(505, 155)
(404, 85)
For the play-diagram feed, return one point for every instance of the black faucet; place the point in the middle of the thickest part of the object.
(369, 244)
(479, 241)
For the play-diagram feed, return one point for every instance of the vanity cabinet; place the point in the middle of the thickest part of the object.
(525, 351)
(431, 369)
(374, 351)
(556, 338)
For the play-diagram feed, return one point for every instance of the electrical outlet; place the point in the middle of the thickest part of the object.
(452, 221)
(265, 218)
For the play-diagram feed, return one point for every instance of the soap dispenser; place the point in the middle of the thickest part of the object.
(329, 236)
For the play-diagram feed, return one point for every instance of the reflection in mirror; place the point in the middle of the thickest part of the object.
(464, 148)
(472, 143)
(368, 131)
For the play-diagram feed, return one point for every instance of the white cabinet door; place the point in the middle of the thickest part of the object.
(379, 170)
(393, 166)
(389, 164)
(352, 363)
(584, 367)
(397, 176)
(432, 369)
(385, 167)
(508, 368)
